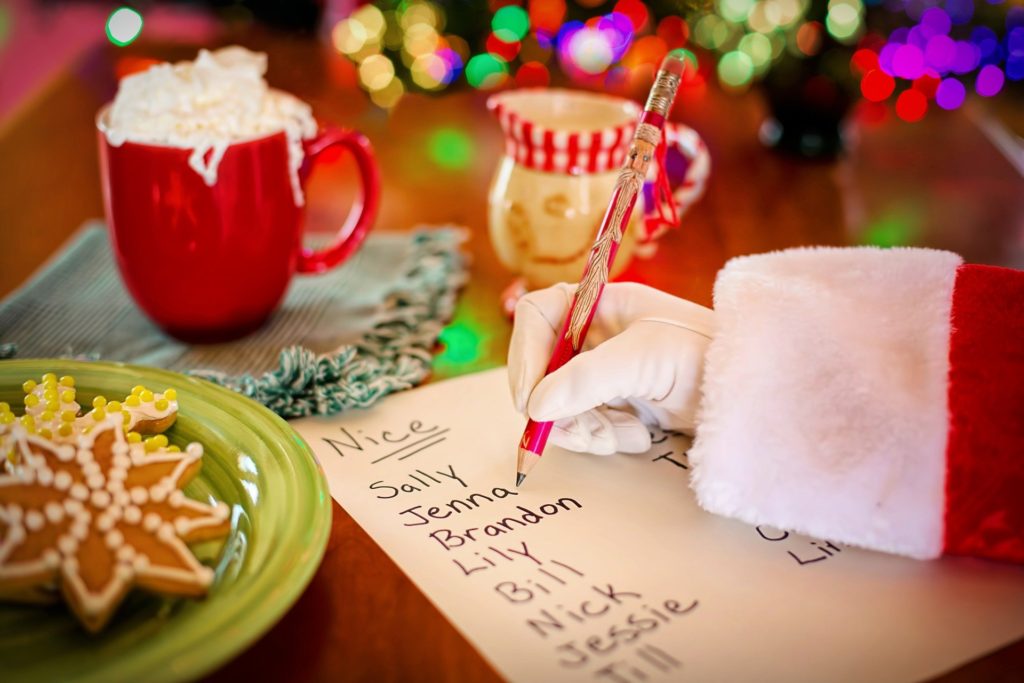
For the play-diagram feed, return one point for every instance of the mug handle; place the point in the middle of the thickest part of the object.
(688, 190)
(364, 211)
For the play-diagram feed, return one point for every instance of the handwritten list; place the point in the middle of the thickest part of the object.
(605, 569)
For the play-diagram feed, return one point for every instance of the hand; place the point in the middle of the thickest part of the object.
(642, 365)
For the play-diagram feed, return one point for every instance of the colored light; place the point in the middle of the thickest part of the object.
(462, 345)
(876, 86)
(911, 106)
(808, 38)
(940, 53)
(348, 36)
(843, 22)
(510, 23)
(864, 60)
(531, 50)
(635, 11)
(966, 57)
(497, 46)
(761, 19)
(547, 15)
(372, 21)
(450, 148)
(414, 13)
(735, 69)
(429, 71)
(420, 39)
(950, 93)
(123, 26)
(533, 75)
(618, 33)
(758, 48)
(927, 85)
(388, 96)
(989, 81)
(937, 20)
(1015, 68)
(908, 62)
(674, 31)
(376, 72)
(710, 31)
(5, 24)
(454, 63)
(891, 231)
(590, 51)
(486, 71)
(735, 11)
(649, 50)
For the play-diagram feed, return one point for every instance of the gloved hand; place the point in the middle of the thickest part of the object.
(642, 365)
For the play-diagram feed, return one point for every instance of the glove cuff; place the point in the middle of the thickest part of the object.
(839, 401)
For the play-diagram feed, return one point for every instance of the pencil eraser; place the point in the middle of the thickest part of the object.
(675, 62)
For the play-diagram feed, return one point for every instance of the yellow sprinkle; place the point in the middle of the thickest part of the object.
(99, 402)
(127, 418)
(162, 404)
(45, 433)
(138, 389)
(134, 437)
(46, 416)
(99, 414)
(67, 381)
(5, 407)
(67, 415)
(171, 395)
(146, 396)
(49, 377)
(132, 401)
(67, 395)
(29, 423)
(53, 407)
(150, 445)
(160, 440)
(114, 407)
(50, 395)
(28, 386)
(7, 418)
(65, 429)
(173, 449)
(31, 400)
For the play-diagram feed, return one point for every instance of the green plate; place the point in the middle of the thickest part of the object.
(281, 518)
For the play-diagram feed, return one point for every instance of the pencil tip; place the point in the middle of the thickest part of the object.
(520, 478)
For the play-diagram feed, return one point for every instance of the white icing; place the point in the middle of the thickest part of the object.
(84, 456)
(54, 512)
(132, 514)
(91, 469)
(96, 481)
(67, 544)
(205, 106)
(62, 481)
(114, 539)
(79, 491)
(45, 476)
(140, 496)
(105, 522)
(151, 522)
(34, 520)
(100, 499)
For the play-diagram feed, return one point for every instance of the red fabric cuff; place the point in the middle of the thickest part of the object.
(984, 513)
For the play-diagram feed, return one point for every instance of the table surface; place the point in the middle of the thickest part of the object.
(941, 183)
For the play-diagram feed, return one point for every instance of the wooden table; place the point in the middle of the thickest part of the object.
(938, 183)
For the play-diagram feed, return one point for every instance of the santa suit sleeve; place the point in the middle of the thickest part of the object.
(870, 397)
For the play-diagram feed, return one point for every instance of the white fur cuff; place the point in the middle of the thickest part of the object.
(824, 407)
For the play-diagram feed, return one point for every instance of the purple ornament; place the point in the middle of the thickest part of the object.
(885, 58)
(966, 58)
(950, 94)
(990, 81)
(940, 52)
(936, 19)
(919, 36)
(960, 11)
(908, 62)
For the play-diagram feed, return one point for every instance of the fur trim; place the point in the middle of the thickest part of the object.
(824, 399)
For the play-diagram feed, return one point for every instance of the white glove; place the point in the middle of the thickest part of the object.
(642, 365)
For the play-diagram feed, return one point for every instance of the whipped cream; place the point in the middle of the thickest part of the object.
(206, 105)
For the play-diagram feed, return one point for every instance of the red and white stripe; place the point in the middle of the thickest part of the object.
(561, 151)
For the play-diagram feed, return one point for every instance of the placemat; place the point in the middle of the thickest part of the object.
(339, 340)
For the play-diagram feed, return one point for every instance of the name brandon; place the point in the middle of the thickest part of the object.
(522, 517)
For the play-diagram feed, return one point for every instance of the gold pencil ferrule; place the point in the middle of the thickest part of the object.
(663, 93)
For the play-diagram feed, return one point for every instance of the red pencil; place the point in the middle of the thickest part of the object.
(616, 218)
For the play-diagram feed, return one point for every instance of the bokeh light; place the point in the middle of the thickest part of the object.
(376, 72)
(486, 71)
(735, 70)
(911, 105)
(989, 81)
(510, 23)
(450, 148)
(123, 26)
(950, 94)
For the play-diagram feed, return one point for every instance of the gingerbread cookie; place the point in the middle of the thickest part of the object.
(100, 513)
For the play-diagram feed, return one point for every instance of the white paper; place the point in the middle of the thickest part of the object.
(605, 569)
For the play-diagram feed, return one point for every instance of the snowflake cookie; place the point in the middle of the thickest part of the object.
(100, 513)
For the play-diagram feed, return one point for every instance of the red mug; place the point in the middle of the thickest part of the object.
(211, 263)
